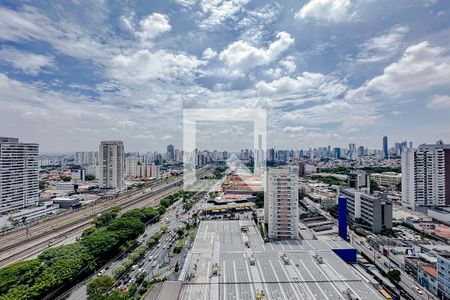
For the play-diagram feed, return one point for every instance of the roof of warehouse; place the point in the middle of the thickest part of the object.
(223, 242)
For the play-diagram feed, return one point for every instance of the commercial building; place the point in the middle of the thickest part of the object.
(387, 179)
(426, 176)
(385, 147)
(427, 277)
(19, 173)
(443, 275)
(229, 260)
(282, 202)
(375, 212)
(111, 164)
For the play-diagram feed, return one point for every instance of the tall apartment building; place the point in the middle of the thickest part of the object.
(131, 166)
(282, 203)
(111, 164)
(367, 209)
(426, 175)
(19, 174)
(86, 158)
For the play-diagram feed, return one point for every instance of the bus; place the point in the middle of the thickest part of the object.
(385, 294)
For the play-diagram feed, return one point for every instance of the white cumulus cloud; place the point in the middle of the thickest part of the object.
(240, 56)
(152, 26)
(327, 11)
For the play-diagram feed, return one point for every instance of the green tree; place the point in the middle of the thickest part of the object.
(88, 231)
(89, 177)
(18, 274)
(106, 217)
(66, 178)
(374, 186)
(42, 184)
(393, 275)
(101, 243)
(259, 202)
(99, 286)
(161, 210)
(127, 228)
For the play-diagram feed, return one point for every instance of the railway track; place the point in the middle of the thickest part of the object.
(47, 226)
(28, 247)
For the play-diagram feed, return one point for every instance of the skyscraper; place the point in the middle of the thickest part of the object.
(426, 175)
(385, 147)
(170, 155)
(19, 174)
(282, 202)
(111, 164)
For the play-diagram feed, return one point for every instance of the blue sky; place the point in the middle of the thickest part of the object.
(329, 72)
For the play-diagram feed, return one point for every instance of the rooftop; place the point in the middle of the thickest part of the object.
(221, 266)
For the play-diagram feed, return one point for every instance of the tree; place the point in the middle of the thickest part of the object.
(19, 273)
(187, 205)
(89, 177)
(259, 199)
(164, 228)
(99, 286)
(393, 275)
(107, 217)
(301, 194)
(88, 231)
(161, 210)
(101, 243)
(42, 184)
(127, 228)
(66, 178)
(374, 186)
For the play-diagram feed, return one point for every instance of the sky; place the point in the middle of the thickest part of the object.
(328, 72)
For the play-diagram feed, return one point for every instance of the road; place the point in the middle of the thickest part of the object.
(158, 253)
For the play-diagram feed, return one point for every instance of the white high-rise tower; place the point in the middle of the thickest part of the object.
(111, 164)
(19, 174)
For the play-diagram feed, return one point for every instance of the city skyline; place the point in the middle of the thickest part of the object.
(73, 74)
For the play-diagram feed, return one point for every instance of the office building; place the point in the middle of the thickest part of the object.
(111, 164)
(385, 147)
(170, 155)
(282, 198)
(426, 175)
(131, 166)
(19, 174)
(375, 212)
